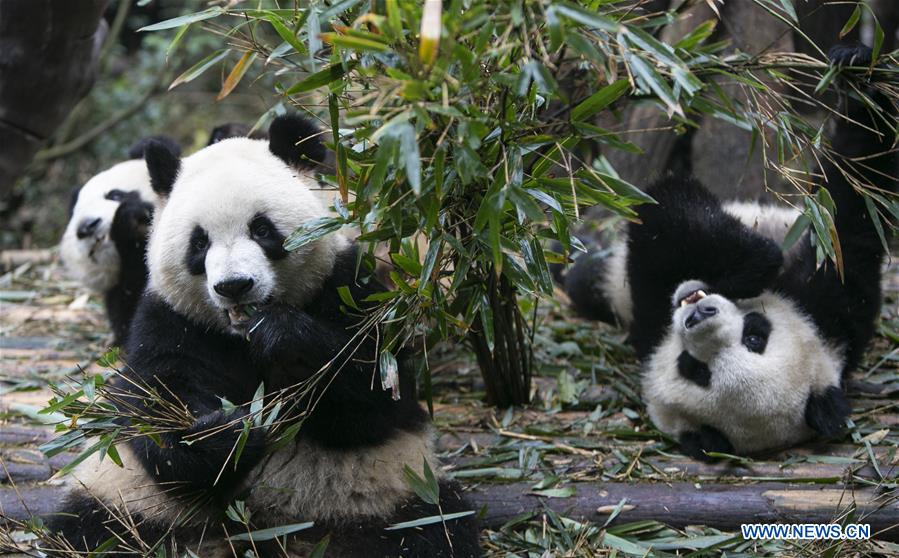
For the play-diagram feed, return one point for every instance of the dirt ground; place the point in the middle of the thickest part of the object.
(579, 472)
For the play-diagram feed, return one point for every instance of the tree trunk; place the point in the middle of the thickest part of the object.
(48, 54)
(506, 362)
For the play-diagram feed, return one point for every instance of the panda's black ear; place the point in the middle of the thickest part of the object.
(228, 130)
(163, 165)
(826, 412)
(296, 141)
(137, 150)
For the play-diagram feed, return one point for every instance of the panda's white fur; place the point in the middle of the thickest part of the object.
(308, 481)
(300, 482)
(232, 181)
(94, 260)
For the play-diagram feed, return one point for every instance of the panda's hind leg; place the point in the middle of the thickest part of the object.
(370, 539)
(83, 524)
(432, 540)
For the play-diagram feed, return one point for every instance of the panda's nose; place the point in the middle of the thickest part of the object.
(699, 314)
(87, 227)
(234, 288)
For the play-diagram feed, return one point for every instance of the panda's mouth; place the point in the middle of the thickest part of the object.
(692, 298)
(241, 314)
(97, 243)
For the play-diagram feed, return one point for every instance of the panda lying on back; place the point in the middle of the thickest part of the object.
(745, 347)
(227, 308)
(105, 241)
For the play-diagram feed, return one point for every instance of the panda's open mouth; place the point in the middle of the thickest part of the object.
(99, 241)
(692, 297)
(241, 314)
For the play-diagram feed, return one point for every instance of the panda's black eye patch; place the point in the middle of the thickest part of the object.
(267, 236)
(115, 195)
(197, 248)
(756, 329)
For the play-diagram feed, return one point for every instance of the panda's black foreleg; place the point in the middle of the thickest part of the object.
(203, 456)
(285, 334)
(707, 439)
(688, 235)
(128, 231)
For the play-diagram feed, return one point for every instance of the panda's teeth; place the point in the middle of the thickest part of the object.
(693, 297)
(241, 313)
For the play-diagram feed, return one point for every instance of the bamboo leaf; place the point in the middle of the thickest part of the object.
(321, 78)
(423, 488)
(286, 34)
(878, 42)
(430, 520)
(236, 74)
(319, 550)
(272, 533)
(698, 35)
(585, 16)
(197, 69)
(852, 21)
(256, 404)
(311, 231)
(599, 100)
(354, 43)
(796, 229)
(185, 19)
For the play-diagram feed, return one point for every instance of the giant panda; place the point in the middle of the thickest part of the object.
(227, 308)
(744, 346)
(105, 239)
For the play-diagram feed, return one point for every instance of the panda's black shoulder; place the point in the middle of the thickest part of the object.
(352, 273)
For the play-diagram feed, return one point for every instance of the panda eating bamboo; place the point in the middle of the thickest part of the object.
(226, 309)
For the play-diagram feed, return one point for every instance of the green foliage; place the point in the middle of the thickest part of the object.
(460, 146)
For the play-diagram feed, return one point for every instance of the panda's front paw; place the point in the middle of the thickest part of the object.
(132, 219)
(213, 436)
(851, 53)
(275, 333)
(698, 443)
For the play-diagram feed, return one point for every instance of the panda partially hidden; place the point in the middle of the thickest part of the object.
(104, 244)
(745, 346)
(227, 308)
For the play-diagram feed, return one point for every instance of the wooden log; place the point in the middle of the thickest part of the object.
(722, 506)
(11, 259)
(19, 435)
